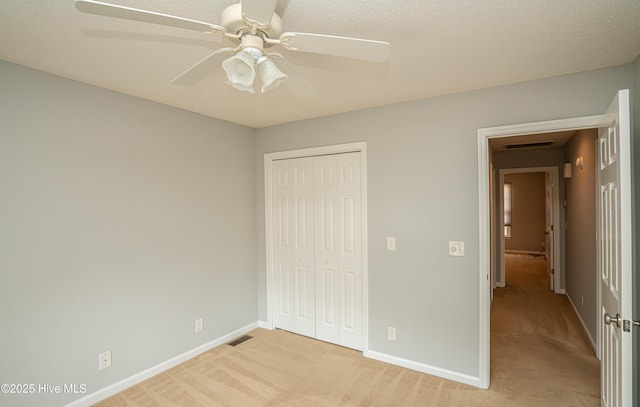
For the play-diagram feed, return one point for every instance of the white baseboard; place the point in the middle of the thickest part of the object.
(584, 326)
(421, 367)
(264, 325)
(123, 384)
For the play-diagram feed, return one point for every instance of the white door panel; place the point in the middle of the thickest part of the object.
(614, 251)
(284, 279)
(338, 252)
(326, 194)
(282, 246)
(293, 245)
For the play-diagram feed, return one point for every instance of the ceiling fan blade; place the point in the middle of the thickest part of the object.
(203, 67)
(258, 12)
(128, 13)
(296, 82)
(367, 50)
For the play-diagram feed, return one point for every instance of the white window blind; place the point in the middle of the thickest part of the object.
(507, 209)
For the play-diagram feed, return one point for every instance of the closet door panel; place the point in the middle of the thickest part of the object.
(293, 245)
(339, 249)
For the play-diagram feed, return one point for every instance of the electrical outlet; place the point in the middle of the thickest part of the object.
(391, 333)
(104, 360)
(199, 325)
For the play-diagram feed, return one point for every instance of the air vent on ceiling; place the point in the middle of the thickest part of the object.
(529, 145)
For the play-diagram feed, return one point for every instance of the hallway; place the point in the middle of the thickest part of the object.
(539, 350)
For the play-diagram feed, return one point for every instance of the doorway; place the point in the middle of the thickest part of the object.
(613, 233)
(484, 136)
(545, 239)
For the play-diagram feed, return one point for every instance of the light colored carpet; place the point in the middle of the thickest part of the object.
(540, 354)
(540, 357)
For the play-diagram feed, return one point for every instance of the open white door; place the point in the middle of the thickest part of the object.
(614, 251)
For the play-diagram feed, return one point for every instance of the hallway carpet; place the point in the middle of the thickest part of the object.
(540, 353)
(540, 357)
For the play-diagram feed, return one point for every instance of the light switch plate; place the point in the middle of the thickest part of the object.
(391, 243)
(456, 248)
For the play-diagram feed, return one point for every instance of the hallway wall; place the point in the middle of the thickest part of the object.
(580, 211)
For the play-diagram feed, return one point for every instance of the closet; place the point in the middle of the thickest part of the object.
(317, 247)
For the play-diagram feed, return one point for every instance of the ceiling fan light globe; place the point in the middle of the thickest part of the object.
(240, 69)
(246, 88)
(271, 75)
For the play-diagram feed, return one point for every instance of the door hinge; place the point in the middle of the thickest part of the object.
(553, 271)
(552, 228)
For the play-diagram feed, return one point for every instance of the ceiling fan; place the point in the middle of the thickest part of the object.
(254, 26)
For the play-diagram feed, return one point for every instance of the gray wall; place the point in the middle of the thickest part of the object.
(423, 189)
(528, 211)
(121, 222)
(580, 244)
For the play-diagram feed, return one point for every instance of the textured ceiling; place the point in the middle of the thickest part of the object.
(437, 47)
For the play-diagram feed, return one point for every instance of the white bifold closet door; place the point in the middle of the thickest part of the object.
(293, 249)
(317, 243)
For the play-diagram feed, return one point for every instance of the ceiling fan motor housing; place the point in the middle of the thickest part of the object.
(233, 23)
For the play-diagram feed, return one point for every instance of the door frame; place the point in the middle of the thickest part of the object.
(555, 174)
(484, 297)
(492, 228)
(269, 158)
